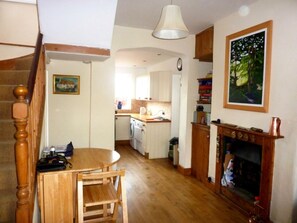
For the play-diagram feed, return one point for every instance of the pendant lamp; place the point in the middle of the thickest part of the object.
(171, 25)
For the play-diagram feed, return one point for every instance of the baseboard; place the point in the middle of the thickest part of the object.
(147, 155)
(184, 171)
(122, 142)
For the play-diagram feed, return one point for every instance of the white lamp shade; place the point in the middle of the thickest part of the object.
(171, 24)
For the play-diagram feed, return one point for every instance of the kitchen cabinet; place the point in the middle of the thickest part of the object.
(204, 45)
(157, 86)
(200, 151)
(160, 85)
(156, 140)
(122, 127)
(142, 85)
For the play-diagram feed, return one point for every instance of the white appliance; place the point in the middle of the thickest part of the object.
(132, 133)
(139, 135)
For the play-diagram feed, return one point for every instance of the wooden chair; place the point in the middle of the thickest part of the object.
(99, 196)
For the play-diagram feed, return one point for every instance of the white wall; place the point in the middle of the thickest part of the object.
(78, 23)
(68, 115)
(102, 112)
(19, 25)
(283, 94)
(86, 119)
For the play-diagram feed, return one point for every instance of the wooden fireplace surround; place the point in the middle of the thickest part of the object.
(267, 142)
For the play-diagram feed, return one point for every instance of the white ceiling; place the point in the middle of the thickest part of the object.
(197, 15)
(142, 57)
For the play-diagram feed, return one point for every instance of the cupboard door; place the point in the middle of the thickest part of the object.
(122, 128)
(154, 86)
(142, 87)
(56, 197)
(204, 45)
(161, 85)
(165, 86)
(157, 140)
(200, 152)
(204, 135)
(195, 145)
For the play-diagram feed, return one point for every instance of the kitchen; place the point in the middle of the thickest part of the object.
(147, 116)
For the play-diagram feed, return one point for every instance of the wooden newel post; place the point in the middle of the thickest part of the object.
(20, 116)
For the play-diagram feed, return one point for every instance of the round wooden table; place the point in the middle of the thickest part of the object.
(87, 159)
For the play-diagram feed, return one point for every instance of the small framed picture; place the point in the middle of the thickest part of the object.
(66, 84)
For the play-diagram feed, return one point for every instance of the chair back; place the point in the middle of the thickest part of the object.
(99, 194)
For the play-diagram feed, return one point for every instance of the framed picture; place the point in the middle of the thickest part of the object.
(66, 84)
(247, 68)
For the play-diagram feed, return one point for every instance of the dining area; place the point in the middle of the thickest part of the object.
(153, 191)
(89, 189)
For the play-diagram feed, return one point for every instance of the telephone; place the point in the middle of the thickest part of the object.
(52, 163)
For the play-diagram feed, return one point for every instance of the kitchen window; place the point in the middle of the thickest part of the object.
(123, 90)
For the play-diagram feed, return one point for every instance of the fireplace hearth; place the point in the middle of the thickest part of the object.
(244, 167)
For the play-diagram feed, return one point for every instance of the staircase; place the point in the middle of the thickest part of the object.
(12, 73)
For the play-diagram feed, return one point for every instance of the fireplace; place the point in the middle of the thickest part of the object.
(244, 168)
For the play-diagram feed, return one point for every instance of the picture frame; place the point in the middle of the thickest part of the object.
(66, 84)
(247, 68)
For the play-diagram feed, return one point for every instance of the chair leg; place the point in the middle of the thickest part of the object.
(80, 211)
(124, 200)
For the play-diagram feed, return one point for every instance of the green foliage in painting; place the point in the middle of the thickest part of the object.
(247, 69)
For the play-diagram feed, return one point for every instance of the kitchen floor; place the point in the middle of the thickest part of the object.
(156, 192)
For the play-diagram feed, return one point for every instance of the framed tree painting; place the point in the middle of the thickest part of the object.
(247, 68)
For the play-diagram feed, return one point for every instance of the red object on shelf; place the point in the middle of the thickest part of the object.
(205, 87)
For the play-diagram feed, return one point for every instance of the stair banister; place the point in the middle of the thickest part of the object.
(34, 67)
(28, 116)
(20, 116)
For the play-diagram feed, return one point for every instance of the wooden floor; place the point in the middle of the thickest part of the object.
(156, 192)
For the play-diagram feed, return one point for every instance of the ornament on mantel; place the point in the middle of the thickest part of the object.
(275, 126)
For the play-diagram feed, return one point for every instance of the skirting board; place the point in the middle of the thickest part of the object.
(184, 171)
(122, 142)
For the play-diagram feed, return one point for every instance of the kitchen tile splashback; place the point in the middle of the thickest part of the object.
(154, 108)
(135, 106)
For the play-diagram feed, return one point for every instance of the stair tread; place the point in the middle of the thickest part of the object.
(23, 70)
(6, 120)
(7, 167)
(8, 85)
(2, 142)
(2, 101)
(2, 191)
(5, 196)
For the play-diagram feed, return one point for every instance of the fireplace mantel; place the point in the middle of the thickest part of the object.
(266, 142)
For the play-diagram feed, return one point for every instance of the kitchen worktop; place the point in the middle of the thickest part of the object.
(143, 118)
